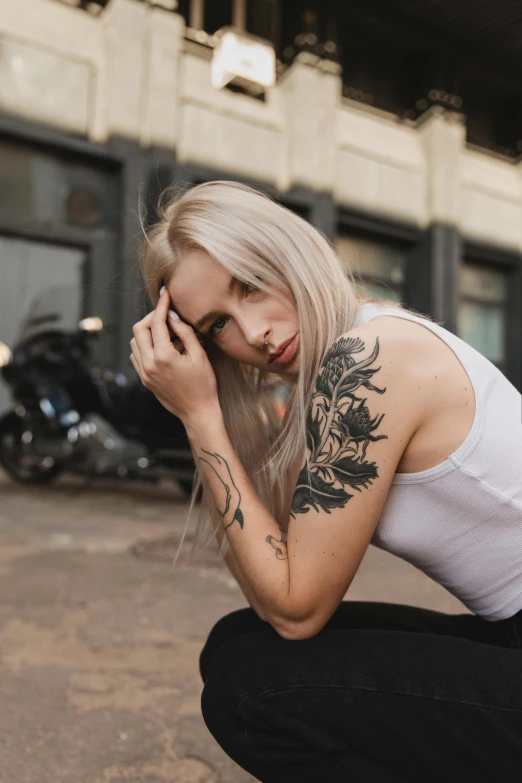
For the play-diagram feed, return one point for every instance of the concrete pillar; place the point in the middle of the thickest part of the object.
(124, 24)
(140, 79)
(160, 123)
(443, 137)
(311, 91)
(324, 216)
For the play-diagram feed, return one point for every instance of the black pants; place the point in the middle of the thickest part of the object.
(384, 693)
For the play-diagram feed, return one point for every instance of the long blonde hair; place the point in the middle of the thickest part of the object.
(267, 245)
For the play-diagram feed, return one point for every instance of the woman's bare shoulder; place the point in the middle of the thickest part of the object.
(400, 353)
(404, 341)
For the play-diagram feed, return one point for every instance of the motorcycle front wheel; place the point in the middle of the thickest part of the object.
(20, 464)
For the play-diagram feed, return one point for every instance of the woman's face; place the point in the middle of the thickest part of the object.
(235, 316)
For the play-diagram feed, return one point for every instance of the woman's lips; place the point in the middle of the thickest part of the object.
(288, 354)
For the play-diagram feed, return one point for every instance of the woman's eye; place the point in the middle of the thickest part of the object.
(218, 325)
(216, 329)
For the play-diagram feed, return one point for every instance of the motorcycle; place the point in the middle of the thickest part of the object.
(71, 414)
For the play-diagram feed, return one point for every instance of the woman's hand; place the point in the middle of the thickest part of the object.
(184, 383)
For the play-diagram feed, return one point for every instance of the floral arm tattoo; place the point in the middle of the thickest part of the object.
(339, 429)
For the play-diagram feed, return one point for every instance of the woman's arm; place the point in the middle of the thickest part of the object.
(283, 520)
(233, 567)
(339, 495)
(336, 506)
(256, 540)
(235, 570)
(232, 564)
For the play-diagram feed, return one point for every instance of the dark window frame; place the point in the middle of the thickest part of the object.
(397, 288)
(492, 306)
(397, 233)
(47, 140)
(510, 263)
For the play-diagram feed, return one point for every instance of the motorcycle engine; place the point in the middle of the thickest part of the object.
(102, 446)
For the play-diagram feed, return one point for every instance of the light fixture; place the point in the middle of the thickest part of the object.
(92, 324)
(242, 59)
(5, 354)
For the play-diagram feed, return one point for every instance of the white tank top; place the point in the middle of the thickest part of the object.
(460, 522)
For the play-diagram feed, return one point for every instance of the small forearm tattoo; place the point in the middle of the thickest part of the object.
(281, 549)
(339, 429)
(229, 506)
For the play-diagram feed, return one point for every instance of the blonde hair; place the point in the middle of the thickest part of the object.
(267, 245)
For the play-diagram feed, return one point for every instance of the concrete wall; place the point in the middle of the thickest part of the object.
(129, 73)
(490, 206)
(382, 165)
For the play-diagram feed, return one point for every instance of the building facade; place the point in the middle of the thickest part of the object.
(104, 104)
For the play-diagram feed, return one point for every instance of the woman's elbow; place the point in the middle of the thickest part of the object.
(295, 630)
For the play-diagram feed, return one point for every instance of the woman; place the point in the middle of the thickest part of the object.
(399, 434)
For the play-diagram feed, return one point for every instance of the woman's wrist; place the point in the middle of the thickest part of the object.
(201, 424)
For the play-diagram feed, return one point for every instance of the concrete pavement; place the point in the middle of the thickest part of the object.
(100, 637)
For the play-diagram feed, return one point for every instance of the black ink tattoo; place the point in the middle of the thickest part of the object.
(339, 430)
(231, 511)
(279, 545)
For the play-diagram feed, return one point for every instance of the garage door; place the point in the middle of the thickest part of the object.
(26, 269)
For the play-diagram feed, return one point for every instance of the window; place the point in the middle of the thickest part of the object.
(218, 14)
(31, 270)
(259, 17)
(183, 8)
(262, 19)
(377, 266)
(481, 316)
(207, 15)
(43, 187)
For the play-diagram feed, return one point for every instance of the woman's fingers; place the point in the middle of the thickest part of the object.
(154, 338)
(187, 335)
(159, 329)
(135, 349)
(178, 345)
(135, 364)
(143, 338)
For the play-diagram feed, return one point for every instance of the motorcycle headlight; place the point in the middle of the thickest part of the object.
(92, 324)
(5, 354)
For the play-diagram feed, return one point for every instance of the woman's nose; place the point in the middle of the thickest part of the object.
(256, 337)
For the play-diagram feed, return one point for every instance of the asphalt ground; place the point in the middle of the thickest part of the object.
(100, 637)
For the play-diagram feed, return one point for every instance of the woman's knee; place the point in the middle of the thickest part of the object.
(219, 708)
(227, 628)
(229, 674)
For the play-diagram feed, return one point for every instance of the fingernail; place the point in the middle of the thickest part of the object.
(173, 315)
(162, 289)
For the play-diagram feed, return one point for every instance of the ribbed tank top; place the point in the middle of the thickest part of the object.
(460, 522)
